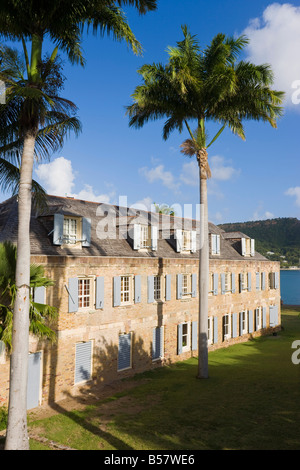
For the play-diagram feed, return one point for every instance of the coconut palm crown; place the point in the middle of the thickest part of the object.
(195, 87)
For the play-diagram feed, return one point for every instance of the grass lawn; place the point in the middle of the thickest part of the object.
(250, 401)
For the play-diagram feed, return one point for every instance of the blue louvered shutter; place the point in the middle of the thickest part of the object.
(213, 244)
(179, 286)
(136, 237)
(264, 317)
(194, 335)
(154, 236)
(233, 283)
(234, 325)
(215, 282)
(240, 283)
(179, 338)
(194, 285)
(86, 232)
(249, 281)
(83, 362)
(257, 275)
(276, 280)
(157, 343)
(241, 323)
(58, 229)
(193, 241)
(215, 340)
(263, 281)
(39, 295)
(252, 247)
(276, 315)
(150, 289)
(168, 286)
(124, 354)
(250, 321)
(217, 244)
(272, 316)
(100, 292)
(178, 238)
(117, 291)
(73, 294)
(137, 289)
(222, 283)
(243, 246)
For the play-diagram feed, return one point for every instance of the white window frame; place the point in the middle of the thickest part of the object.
(128, 292)
(186, 240)
(186, 326)
(186, 288)
(227, 282)
(244, 322)
(258, 314)
(244, 277)
(226, 326)
(75, 237)
(145, 237)
(158, 288)
(91, 295)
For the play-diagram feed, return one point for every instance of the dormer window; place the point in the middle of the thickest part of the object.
(215, 244)
(145, 237)
(248, 246)
(70, 230)
(185, 241)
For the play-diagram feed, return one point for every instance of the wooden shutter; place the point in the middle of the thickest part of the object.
(193, 241)
(215, 340)
(272, 315)
(73, 294)
(179, 338)
(276, 280)
(252, 247)
(213, 244)
(157, 342)
(99, 292)
(243, 245)
(154, 236)
(215, 281)
(179, 286)
(136, 237)
(250, 321)
(168, 286)
(222, 283)
(58, 229)
(249, 281)
(264, 317)
(86, 232)
(194, 335)
(241, 323)
(117, 291)
(217, 244)
(194, 285)
(124, 353)
(263, 281)
(257, 275)
(178, 237)
(233, 283)
(234, 325)
(137, 289)
(39, 295)
(150, 289)
(83, 362)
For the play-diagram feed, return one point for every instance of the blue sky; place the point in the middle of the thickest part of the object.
(252, 180)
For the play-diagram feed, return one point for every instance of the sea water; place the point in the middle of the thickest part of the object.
(290, 287)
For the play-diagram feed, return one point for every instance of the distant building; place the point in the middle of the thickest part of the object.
(126, 288)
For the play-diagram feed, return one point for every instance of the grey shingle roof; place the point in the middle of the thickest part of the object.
(116, 219)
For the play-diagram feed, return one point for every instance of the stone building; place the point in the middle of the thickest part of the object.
(126, 288)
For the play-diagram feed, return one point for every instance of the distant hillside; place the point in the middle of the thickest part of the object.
(279, 236)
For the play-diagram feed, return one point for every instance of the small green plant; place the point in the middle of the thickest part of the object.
(3, 417)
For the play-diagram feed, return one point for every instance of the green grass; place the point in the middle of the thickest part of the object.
(250, 401)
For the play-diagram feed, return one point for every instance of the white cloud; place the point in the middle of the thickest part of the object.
(190, 173)
(220, 170)
(159, 174)
(143, 204)
(260, 214)
(294, 192)
(58, 178)
(275, 39)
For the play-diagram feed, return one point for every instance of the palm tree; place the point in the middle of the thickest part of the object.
(63, 22)
(35, 121)
(164, 209)
(41, 315)
(195, 87)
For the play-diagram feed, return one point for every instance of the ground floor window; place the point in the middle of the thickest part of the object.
(226, 327)
(243, 323)
(157, 343)
(258, 318)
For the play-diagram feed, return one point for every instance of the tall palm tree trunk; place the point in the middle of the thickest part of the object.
(203, 270)
(17, 436)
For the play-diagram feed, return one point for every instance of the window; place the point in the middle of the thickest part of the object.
(186, 240)
(70, 231)
(126, 289)
(248, 246)
(145, 237)
(273, 280)
(145, 242)
(185, 284)
(84, 293)
(215, 244)
(258, 318)
(185, 337)
(157, 343)
(243, 281)
(226, 327)
(157, 288)
(243, 323)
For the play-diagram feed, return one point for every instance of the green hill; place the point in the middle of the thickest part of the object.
(276, 239)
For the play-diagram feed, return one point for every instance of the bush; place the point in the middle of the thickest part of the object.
(3, 417)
